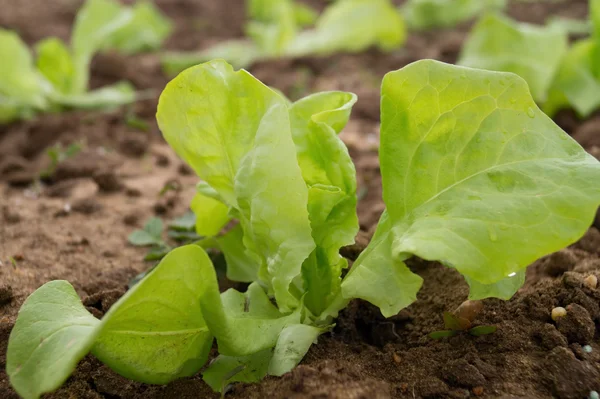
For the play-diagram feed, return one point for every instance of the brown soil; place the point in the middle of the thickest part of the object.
(74, 227)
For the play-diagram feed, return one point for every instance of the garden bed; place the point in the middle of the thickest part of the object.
(75, 227)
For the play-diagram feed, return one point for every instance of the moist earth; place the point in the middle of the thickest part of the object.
(73, 225)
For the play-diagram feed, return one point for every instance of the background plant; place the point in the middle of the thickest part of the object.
(58, 76)
(275, 31)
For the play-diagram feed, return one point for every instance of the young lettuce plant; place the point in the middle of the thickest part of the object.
(275, 32)
(577, 83)
(58, 77)
(475, 176)
(428, 14)
(533, 52)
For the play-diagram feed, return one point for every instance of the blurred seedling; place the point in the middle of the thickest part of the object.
(151, 236)
(460, 321)
(58, 154)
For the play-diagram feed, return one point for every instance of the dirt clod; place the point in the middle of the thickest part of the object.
(107, 181)
(6, 294)
(460, 372)
(577, 325)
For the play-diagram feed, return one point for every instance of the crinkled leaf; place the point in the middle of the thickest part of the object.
(576, 84)
(211, 215)
(292, 345)
(20, 83)
(146, 30)
(503, 289)
(330, 175)
(352, 26)
(532, 52)
(246, 323)
(55, 63)
(52, 333)
(235, 133)
(240, 266)
(94, 25)
(156, 332)
(227, 369)
(427, 14)
(475, 175)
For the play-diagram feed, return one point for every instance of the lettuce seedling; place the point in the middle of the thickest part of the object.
(59, 75)
(577, 83)
(474, 176)
(275, 31)
(533, 52)
(428, 14)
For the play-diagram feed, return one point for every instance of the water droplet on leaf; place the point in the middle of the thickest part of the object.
(530, 112)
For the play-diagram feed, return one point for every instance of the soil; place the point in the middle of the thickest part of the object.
(74, 226)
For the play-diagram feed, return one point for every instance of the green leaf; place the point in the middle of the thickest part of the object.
(55, 63)
(235, 133)
(475, 175)
(427, 14)
(240, 266)
(352, 26)
(154, 227)
(292, 345)
(239, 53)
(503, 289)
(329, 173)
(227, 369)
(156, 332)
(533, 52)
(95, 23)
(211, 215)
(576, 84)
(146, 31)
(256, 321)
(443, 334)
(142, 238)
(379, 277)
(120, 93)
(482, 330)
(273, 24)
(20, 83)
(184, 223)
(52, 333)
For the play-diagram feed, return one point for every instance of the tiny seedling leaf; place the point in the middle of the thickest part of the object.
(482, 330)
(443, 334)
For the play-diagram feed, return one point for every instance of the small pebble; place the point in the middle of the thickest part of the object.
(591, 282)
(558, 312)
(594, 395)
(587, 349)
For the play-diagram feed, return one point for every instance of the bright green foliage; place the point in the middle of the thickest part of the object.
(59, 76)
(146, 31)
(475, 176)
(52, 333)
(533, 52)
(577, 83)
(275, 31)
(427, 14)
(352, 26)
(21, 86)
